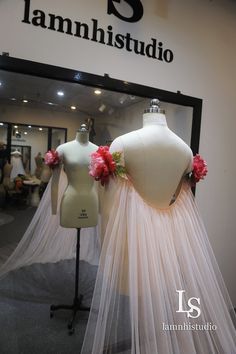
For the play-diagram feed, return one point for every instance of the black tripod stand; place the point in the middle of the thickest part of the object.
(77, 302)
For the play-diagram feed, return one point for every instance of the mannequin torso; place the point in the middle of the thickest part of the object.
(155, 159)
(79, 205)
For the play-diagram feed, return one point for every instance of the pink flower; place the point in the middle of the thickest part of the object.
(199, 169)
(52, 158)
(102, 165)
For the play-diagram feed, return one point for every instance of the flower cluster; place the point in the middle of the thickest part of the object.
(199, 169)
(52, 158)
(104, 165)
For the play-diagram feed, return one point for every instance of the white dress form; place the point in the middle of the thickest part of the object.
(156, 159)
(79, 205)
(151, 249)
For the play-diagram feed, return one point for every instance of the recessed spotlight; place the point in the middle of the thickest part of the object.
(17, 132)
(60, 93)
(25, 133)
(40, 129)
(16, 126)
(25, 101)
(29, 126)
(97, 92)
(13, 99)
(73, 107)
(50, 103)
(1, 124)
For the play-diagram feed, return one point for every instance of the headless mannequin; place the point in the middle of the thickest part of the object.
(79, 206)
(6, 176)
(39, 165)
(156, 159)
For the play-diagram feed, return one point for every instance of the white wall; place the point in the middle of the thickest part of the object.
(202, 36)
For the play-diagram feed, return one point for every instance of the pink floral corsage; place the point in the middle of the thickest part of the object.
(199, 169)
(52, 158)
(105, 165)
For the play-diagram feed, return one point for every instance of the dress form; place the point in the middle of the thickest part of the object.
(151, 249)
(157, 177)
(79, 205)
(39, 165)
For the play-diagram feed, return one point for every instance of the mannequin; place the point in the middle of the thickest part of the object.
(6, 176)
(152, 247)
(79, 206)
(169, 158)
(39, 165)
(3, 159)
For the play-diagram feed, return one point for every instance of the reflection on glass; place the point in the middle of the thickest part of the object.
(3, 133)
(58, 137)
(32, 142)
(126, 114)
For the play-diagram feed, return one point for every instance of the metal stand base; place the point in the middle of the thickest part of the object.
(77, 303)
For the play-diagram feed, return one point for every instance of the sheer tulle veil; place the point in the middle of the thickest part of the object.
(147, 255)
(45, 241)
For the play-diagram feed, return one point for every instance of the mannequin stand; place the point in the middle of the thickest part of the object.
(77, 302)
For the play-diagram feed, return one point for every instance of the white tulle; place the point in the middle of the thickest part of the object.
(147, 255)
(46, 241)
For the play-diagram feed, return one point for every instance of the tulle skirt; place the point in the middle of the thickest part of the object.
(45, 241)
(152, 263)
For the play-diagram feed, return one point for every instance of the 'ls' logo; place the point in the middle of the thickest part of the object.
(192, 307)
(136, 6)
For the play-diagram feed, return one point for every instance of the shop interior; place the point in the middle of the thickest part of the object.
(37, 114)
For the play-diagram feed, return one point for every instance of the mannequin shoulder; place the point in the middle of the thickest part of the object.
(66, 146)
(116, 145)
(93, 146)
(120, 143)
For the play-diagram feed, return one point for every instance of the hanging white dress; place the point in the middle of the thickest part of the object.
(17, 165)
(147, 255)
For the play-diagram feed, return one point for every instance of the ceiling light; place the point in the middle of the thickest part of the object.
(17, 132)
(40, 129)
(102, 108)
(50, 103)
(16, 126)
(29, 126)
(60, 93)
(25, 101)
(1, 123)
(25, 133)
(0, 83)
(73, 107)
(13, 99)
(97, 92)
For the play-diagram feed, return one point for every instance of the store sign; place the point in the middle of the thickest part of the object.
(93, 32)
(136, 6)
